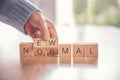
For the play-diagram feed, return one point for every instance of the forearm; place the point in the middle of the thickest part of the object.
(16, 13)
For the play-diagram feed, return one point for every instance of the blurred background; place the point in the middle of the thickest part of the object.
(77, 21)
(97, 12)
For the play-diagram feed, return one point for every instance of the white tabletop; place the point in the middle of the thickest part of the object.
(108, 38)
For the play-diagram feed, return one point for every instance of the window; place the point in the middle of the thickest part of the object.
(101, 12)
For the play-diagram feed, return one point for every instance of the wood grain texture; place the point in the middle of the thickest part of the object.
(39, 51)
(39, 47)
(91, 53)
(39, 43)
(26, 49)
(91, 50)
(78, 53)
(52, 43)
(52, 51)
(65, 60)
(78, 50)
(52, 47)
(79, 60)
(52, 60)
(65, 50)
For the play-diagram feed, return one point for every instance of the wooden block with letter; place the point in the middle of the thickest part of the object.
(39, 47)
(78, 53)
(65, 53)
(26, 49)
(52, 59)
(91, 53)
(52, 47)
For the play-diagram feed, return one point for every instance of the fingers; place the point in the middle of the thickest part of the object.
(52, 30)
(33, 31)
(38, 26)
(37, 34)
(43, 28)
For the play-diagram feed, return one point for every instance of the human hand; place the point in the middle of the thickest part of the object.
(37, 26)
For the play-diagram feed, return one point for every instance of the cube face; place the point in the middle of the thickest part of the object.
(26, 49)
(65, 60)
(91, 60)
(52, 60)
(79, 60)
(78, 53)
(39, 51)
(39, 43)
(64, 53)
(39, 47)
(52, 47)
(78, 50)
(52, 43)
(91, 50)
(52, 51)
(91, 53)
(64, 50)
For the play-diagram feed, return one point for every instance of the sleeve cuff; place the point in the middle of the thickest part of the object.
(19, 14)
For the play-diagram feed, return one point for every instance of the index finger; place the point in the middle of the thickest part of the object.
(52, 30)
(43, 28)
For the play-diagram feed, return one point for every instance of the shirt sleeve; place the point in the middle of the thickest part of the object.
(16, 12)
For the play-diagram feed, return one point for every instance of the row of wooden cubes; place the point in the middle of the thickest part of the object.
(79, 52)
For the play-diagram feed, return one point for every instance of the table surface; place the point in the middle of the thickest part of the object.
(42, 68)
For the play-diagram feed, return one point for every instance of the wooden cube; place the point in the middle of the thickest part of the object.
(52, 60)
(39, 47)
(52, 51)
(52, 43)
(64, 50)
(78, 53)
(41, 59)
(39, 51)
(26, 49)
(65, 53)
(91, 50)
(91, 60)
(52, 47)
(91, 53)
(65, 60)
(39, 43)
(78, 50)
(79, 60)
